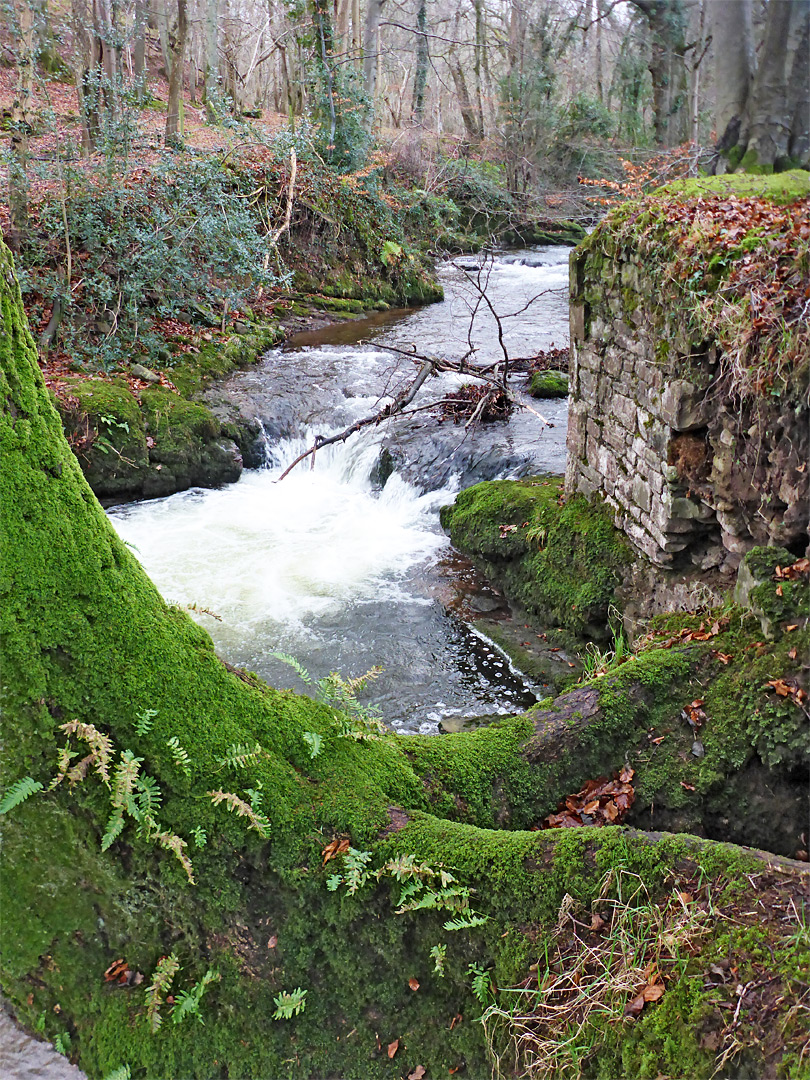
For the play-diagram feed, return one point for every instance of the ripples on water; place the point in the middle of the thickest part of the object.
(332, 567)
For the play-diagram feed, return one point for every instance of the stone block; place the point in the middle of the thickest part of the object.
(577, 321)
(684, 405)
(624, 409)
(640, 492)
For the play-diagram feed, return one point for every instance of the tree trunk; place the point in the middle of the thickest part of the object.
(139, 47)
(177, 48)
(371, 46)
(733, 45)
(799, 99)
(769, 110)
(88, 74)
(422, 60)
(211, 57)
(94, 660)
(19, 126)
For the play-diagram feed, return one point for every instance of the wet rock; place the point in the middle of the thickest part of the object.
(144, 373)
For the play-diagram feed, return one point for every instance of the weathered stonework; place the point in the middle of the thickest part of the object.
(695, 477)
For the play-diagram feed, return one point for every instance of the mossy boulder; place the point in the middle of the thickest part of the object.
(560, 560)
(548, 384)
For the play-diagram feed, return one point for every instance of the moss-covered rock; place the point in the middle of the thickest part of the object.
(561, 561)
(548, 384)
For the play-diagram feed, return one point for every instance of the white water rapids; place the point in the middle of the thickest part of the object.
(333, 567)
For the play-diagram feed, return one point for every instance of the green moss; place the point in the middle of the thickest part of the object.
(559, 561)
(781, 188)
(548, 384)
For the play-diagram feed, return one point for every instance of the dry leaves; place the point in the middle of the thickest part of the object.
(601, 802)
(417, 1073)
(334, 848)
(787, 690)
(801, 568)
(414, 984)
(120, 973)
(393, 1047)
(693, 713)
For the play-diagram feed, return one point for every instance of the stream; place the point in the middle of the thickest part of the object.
(344, 566)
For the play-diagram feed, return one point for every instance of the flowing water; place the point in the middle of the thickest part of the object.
(344, 565)
(341, 564)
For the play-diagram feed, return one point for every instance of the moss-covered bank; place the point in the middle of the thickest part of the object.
(560, 560)
(153, 724)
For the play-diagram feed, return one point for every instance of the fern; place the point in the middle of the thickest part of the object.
(144, 721)
(172, 842)
(438, 954)
(314, 741)
(180, 756)
(149, 795)
(466, 922)
(101, 745)
(289, 1003)
(167, 968)
(481, 982)
(115, 826)
(62, 1044)
(200, 836)
(80, 769)
(124, 781)
(257, 821)
(18, 793)
(238, 755)
(297, 667)
(187, 1002)
(121, 1073)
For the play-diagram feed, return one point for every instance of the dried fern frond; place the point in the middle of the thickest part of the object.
(66, 755)
(79, 770)
(257, 821)
(100, 744)
(172, 842)
(167, 968)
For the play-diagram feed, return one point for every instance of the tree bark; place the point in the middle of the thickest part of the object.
(20, 124)
(371, 46)
(733, 45)
(667, 22)
(422, 60)
(177, 47)
(211, 57)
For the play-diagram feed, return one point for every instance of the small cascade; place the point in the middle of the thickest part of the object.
(340, 564)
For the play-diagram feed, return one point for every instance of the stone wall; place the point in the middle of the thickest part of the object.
(695, 476)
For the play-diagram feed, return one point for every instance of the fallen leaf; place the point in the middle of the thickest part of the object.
(597, 922)
(393, 1047)
(686, 897)
(634, 1007)
(779, 590)
(334, 848)
(689, 787)
(272, 941)
(659, 740)
(792, 653)
(456, 1020)
(417, 1073)
(414, 984)
(793, 626)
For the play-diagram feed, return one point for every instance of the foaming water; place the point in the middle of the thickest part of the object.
(339, 563)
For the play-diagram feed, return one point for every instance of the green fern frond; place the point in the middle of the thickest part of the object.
(66, 755)
(121, 1073)
(144, 721)
(289, 1003)
(314, 741)
(149, 795)
(115, 826)
(200, 836)
(18, 793)
(466, 922)
(297, 667)
(239, 755)
(179, 754)
(187, 1002)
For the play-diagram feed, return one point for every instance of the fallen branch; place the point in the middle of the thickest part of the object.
(400, 402)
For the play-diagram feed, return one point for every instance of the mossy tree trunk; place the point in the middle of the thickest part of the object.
(95, 661)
